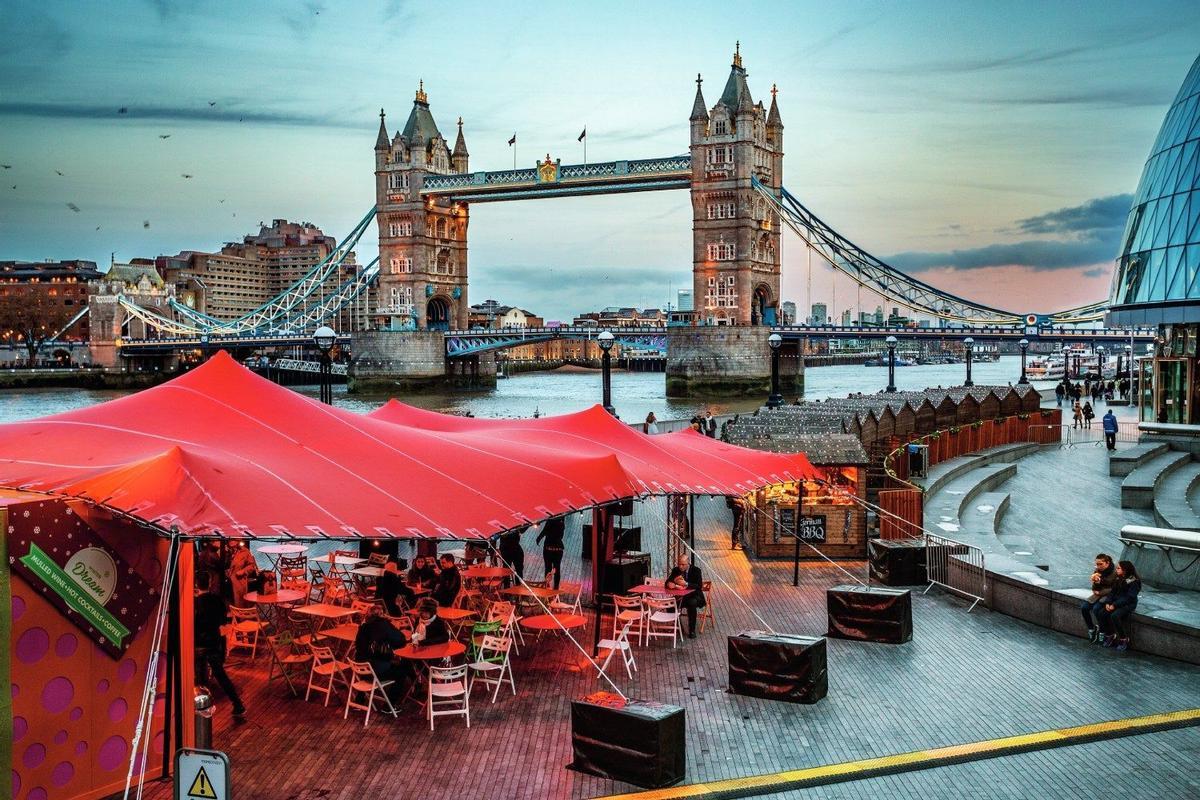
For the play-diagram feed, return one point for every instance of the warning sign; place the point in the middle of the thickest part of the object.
(201, 775)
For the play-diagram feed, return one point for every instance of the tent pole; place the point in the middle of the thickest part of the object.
(600, 522)
(691, 527)
(172, 713)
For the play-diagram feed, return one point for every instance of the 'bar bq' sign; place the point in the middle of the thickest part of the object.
(812, 528)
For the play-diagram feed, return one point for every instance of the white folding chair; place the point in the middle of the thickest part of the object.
(560, 606)
(706, 613)
(492, 665)
(448, 694)
(245, 626)
(629, 610)
(286, 656)
(619, 645)
(324, 665)
(507, 613)
(365, 682)
(662, 619)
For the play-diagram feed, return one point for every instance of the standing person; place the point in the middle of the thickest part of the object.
(209, 614)
(1088, 414)
(709, 424)
(1119, 604)
(684, 576)
(553, 531)
(1077, 415)
(738, 506)
(448, 584)
(242, 569)
(1103, 580)
(1109, 421)
(651, 425)
(1059, 391)
(512, 553)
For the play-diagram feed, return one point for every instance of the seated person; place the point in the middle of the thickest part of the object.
(389, 587)
(422, 572)
(684, 576)
(448, 584)
(1103, 580)
(430, 628)
(376, 640)
(1118, 605)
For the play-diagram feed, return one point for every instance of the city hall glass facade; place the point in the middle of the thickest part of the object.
(1157, 280)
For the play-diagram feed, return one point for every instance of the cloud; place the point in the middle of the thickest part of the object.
(1097, 272)
(1092, 219)
(58, 110)
(1087, 234)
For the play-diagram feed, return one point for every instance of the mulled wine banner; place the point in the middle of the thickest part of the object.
(60, 556)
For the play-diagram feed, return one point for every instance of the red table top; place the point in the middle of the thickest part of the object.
(282, 596)
(486, 572)
(647, 589)
(553, 622)
(431, 652)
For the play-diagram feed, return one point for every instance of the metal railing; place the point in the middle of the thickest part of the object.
(956, 567)
(1070, 437)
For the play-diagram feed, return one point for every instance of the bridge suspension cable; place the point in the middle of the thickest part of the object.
(885, 280)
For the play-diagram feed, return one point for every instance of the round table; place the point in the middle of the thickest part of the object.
(283, 549)
(531, 591)
(282, 596)
(647, 589)
(455, 614)
(431, 652)
(486, 573)
(553, 622)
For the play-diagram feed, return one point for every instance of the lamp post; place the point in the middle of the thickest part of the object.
(775, 399)
(1100, 351)
(1024, 344)
(969, 346)
(891, 346)
(605, 340)
(204, 347)
(325, 338)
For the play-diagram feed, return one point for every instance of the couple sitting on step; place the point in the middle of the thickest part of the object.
(1114, 597)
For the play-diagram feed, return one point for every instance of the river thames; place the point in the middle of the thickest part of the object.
(634, 393)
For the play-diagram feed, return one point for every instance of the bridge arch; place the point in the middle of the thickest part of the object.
(762, 307)
(437, 313)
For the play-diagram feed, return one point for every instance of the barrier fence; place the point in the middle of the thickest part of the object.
(956, 567)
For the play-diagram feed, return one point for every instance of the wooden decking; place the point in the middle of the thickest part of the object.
(962, 678)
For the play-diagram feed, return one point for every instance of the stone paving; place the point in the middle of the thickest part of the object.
(964, 677)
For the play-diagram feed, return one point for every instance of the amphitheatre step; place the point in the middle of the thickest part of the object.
(1123, 462)
(1137, 489)
(940, 474)
(1171, 506)
(944, 508)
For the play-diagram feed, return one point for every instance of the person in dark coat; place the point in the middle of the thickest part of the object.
(375, 643)
(209, 614)
(553, 531)
(1118, 605)
(390, 587)
(422, 572)
(684, 576)
(1103, 580)
(448, 584)
(431, 629)
(738, 506)
(512, 553)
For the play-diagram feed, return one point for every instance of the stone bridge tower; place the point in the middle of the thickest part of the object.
(735, 235)
(422, 243)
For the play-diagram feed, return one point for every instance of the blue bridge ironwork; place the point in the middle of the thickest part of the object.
(552, 180)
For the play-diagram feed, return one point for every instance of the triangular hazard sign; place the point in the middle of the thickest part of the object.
(202, 787)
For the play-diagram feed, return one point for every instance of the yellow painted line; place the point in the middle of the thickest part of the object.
(771, 783)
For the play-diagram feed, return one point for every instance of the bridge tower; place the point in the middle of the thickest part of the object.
(735, 236)
(422, 243)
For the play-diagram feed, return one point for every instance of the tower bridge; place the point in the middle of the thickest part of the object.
(425, 188)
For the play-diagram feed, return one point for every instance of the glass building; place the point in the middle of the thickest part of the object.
(1157, 280)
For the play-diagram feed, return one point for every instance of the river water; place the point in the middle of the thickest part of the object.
(634, 393)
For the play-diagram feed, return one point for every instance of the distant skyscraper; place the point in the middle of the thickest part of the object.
(820, 314)
(789, 312)
(846, 317)
(878, 315)
(684, 301)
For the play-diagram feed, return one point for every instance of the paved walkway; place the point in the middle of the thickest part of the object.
(964, 677)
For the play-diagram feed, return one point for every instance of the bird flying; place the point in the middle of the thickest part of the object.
(164, 136)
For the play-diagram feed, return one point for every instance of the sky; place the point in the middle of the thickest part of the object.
(989, 148)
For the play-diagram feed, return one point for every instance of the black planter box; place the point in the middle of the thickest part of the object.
(635, 741)
(897, 562)
(872, 614)
(778, 666)
(624, 540)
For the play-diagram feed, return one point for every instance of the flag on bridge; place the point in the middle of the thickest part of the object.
(582, 135)
(513, 140)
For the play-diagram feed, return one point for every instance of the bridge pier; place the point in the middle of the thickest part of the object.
(386, 362)
(728, 361)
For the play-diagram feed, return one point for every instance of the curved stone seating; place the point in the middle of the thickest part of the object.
(1163, 556)
(1137, 490)
(1123, 462)
(940, 474)
(1172, 508)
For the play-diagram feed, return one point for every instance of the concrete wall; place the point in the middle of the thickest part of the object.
(387, 361)
(730, 361)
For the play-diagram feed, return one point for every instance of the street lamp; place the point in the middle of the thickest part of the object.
(775, 399)
(891, 346)
(605, 340)
(1024, 344)
(969, 346)
(1100, 351)
(325, 338)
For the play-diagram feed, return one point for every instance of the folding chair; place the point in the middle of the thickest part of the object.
(491, 664)
(706, 613)
(364, 681)
(292, 571)
(377, 559)
(448, 691)
(479, 631)
(629, 609)
(324, 665)
(507, 613)
(621, 645)
(662, 619)
(245, 626)
(559, 606)
(285, 656)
